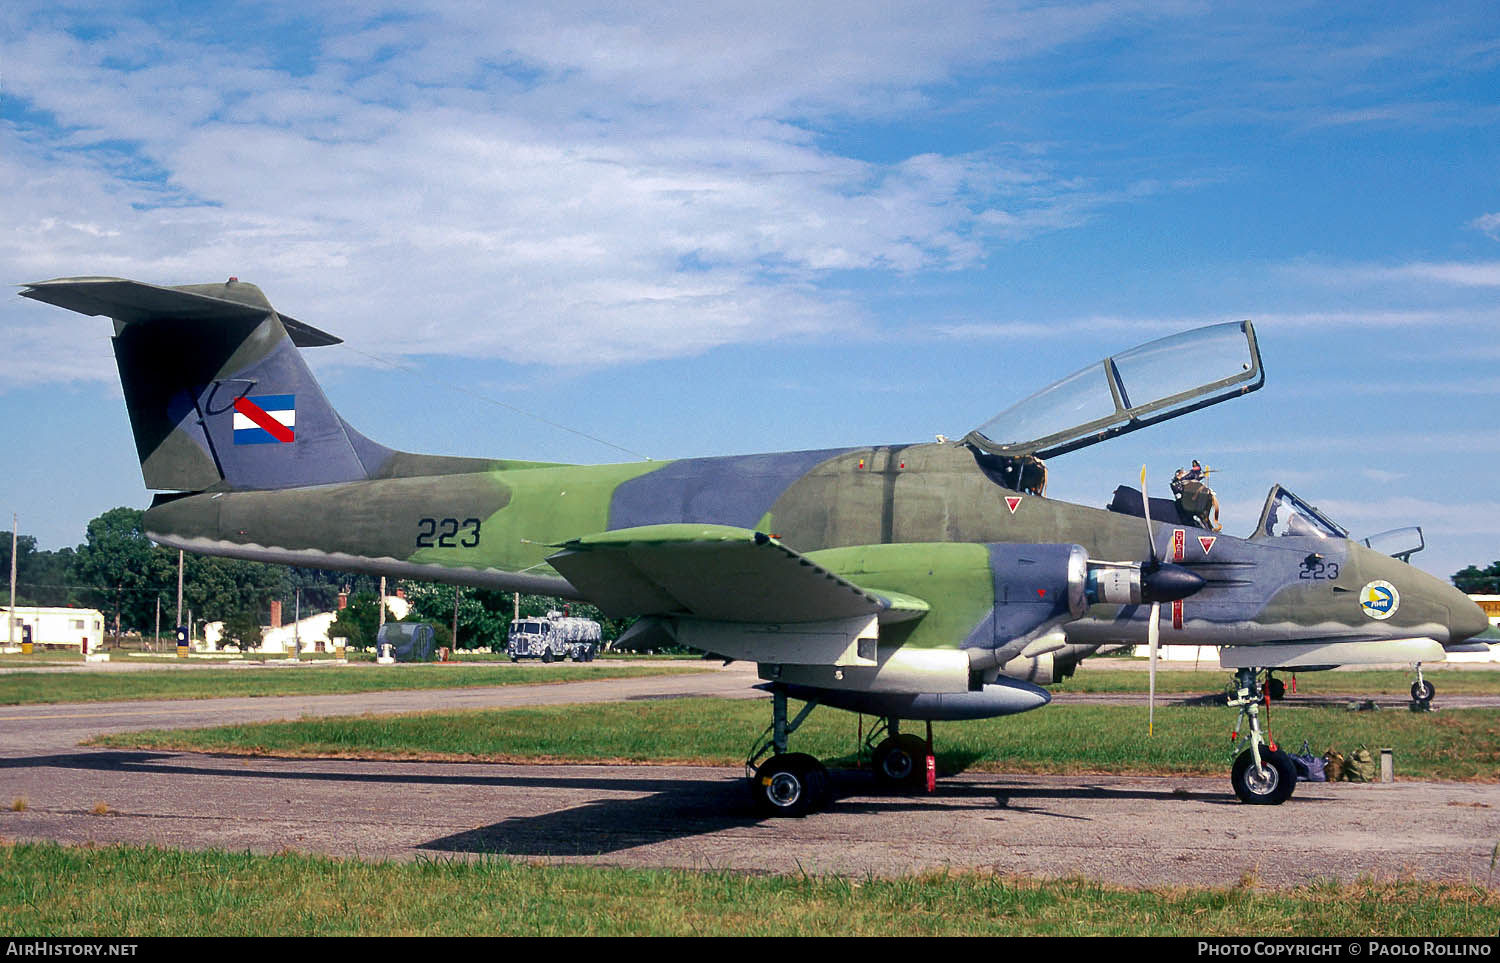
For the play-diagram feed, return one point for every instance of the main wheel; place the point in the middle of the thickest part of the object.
(1271, 784)
(1278, 690)
(900, 762)
(1422, 691)
(790, 784)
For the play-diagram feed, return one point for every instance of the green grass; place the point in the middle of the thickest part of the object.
(1179, 681)
(23, 688)
(129, 891)
(1064, 739)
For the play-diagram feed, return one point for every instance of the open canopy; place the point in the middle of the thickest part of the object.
(1151, 383)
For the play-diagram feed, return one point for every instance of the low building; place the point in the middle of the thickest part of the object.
(1491, 606)
(312, 633)
(58, 627)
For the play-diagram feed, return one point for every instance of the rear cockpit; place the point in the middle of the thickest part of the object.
(1284, 514)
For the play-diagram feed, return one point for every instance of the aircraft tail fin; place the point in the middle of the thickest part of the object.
(217, 392)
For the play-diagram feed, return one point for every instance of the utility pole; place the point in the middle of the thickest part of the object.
(455, 617)
(297, 621)
(179, 587)
(156, 643)
(10, 617)
(381, 624)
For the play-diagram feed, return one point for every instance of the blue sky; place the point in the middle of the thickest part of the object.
(696, 230)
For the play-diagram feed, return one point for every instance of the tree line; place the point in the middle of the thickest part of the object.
(1474, 580)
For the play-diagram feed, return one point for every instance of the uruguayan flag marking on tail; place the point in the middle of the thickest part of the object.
(265, 420)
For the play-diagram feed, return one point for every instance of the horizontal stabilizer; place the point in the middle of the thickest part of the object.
(716, 572)
(136, 301)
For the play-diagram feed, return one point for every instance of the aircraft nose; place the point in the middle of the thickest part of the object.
(1465, 619)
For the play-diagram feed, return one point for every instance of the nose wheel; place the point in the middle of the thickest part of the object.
(1268, 781)
(1262, 775)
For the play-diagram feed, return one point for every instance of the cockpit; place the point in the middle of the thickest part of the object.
(1286, 514)
(1149, 384)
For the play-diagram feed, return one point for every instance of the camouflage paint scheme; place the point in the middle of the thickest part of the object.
(977, 563)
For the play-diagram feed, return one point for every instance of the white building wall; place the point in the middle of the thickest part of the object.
(57, 625)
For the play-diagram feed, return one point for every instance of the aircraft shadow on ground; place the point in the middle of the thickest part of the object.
(690, 807)
(659, 808)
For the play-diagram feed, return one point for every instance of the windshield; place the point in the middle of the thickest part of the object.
(1400, 543)
(1156, 381)
(1286, 514)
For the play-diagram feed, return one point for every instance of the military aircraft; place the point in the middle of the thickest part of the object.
(913, 583)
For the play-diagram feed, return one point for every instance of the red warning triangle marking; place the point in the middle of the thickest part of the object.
(1011, 501)
(1041, 593)
(1207, 541)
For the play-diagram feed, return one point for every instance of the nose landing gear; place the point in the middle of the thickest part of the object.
(1262, 774)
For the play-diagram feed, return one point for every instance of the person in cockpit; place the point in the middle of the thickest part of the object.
(1195, 498)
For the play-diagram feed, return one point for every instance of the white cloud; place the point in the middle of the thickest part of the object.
(1467, 517)
(1463, 274)
(1488, 223)
(544, 183)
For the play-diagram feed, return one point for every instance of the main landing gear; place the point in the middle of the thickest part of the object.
(788, 783)
(1262, 774)
(795, 783)
(899, 761)
(1422, 691)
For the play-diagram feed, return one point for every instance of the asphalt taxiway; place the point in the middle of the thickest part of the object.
(1136, 831)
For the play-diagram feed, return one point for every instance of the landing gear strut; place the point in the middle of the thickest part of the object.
(788, 783)
(1262, 774)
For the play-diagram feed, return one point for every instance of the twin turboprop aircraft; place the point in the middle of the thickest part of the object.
(910, 582)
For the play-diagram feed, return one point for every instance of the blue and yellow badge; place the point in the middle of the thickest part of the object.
(1379, 599)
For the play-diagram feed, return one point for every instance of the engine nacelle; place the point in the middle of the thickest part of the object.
(1113, 583)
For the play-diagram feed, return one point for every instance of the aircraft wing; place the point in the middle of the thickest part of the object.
(717, 573)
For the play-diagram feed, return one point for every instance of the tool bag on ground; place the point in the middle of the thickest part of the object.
(1310, 768)
(1333, 765)
(1360, 766)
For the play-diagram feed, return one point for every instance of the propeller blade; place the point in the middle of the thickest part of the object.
(1153, 641)
(1146, 504)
